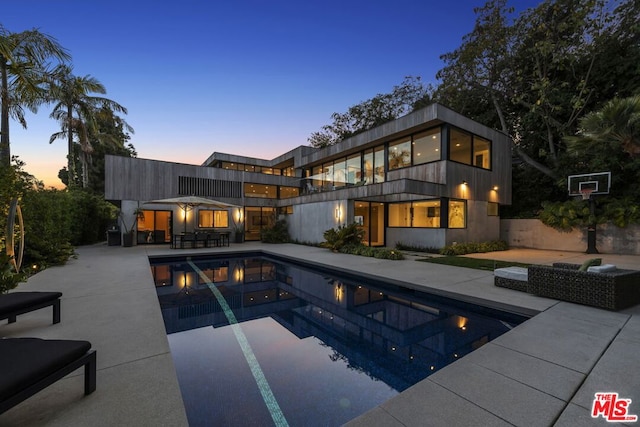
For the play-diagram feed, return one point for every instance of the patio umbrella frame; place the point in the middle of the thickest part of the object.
(187, 203)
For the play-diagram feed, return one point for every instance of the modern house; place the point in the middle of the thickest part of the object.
(428, 179)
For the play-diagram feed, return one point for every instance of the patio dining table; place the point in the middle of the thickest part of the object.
(207, 239)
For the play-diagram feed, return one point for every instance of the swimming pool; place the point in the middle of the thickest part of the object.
(263, 341)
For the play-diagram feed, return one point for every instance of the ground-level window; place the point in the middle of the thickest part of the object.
(256, 218)
(154, 227)
(213, 219)
(457, 214)
(419, 214)
(285, 210)
(370, 218)
(492, 209)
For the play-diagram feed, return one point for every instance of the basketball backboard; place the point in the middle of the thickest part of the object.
(597, 183)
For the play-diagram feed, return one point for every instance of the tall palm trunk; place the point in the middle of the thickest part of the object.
(70, 162)
(5, 150)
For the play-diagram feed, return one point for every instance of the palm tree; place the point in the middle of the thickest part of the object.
(616, 124)
(76, 110)
(23, 77)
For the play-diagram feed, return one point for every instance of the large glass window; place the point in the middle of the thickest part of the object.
(481, 152)
(470, 150)
(289, 171)
(426, 147)
(460, 146)
(288, 192)
(378, 164)
(316, 175)
(154, 226)
(340, 173)
(213, 219)
(400, 214)
(457, 214)
(415, 214)
(229, 165)
(255, 218)
(327, 170)
(370, 218)
(368, 167)
(260, 190)
(354, 172)
(426, 214)
(400, 153)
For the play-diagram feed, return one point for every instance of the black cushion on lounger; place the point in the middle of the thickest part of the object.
(15, 303)
(19, 300)
(25, 361)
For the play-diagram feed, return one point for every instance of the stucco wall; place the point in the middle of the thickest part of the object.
(309, 221)
(531, 233)
(416, 237)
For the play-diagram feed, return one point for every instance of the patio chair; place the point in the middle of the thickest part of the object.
(213, 239)
(29, 365)
(189, 238)
(16, 303)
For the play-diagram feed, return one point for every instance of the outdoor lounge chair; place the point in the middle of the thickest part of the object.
(612, 290)
(13, 304)
(29, 365)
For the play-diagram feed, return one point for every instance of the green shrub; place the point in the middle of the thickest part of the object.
(381, 253)
(384, 253)
(473, 247)
(564, 216)
(278, 233)
(9, 279)
(336, 238)
(622, 212)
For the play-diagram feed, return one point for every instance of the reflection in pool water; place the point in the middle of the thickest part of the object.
(328, 348)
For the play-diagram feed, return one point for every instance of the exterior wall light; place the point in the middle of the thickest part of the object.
(338, 214)
(495, 188)
(464, 182)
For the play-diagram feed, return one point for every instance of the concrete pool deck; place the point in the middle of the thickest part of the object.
(543, 372)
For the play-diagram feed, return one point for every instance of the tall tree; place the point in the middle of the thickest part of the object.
(382, 108)
(534, 69)
(616, 124)
(76, 110)
(113, 137)
(23, 77)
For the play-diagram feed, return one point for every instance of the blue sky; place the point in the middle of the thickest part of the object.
(253, 78)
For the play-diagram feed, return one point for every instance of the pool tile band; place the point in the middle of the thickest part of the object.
(263, 385)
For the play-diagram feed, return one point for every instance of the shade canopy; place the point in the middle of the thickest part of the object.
(187, 203)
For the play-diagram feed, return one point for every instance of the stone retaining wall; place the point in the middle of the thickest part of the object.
(532, 233)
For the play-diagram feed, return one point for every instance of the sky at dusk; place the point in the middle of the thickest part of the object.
(252, 78)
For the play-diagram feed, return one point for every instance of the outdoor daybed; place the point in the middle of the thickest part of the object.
(610, 288)
(29, 365)
(16, 303)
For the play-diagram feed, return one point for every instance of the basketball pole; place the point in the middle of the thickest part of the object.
(591, 228)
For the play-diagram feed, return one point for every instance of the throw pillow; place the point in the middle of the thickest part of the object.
(589, 263)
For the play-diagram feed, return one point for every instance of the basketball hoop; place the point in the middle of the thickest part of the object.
(586, 193)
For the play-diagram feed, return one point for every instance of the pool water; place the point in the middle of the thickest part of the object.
(260, 341)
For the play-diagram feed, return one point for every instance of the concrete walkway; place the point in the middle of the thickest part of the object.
(543, 372)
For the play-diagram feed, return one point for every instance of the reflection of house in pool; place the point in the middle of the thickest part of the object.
(409, 335)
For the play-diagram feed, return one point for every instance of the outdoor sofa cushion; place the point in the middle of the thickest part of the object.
(604, 268)
(15, 303)
(28, 365)
(590, 263)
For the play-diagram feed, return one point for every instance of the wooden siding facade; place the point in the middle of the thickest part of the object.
(140, 180)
